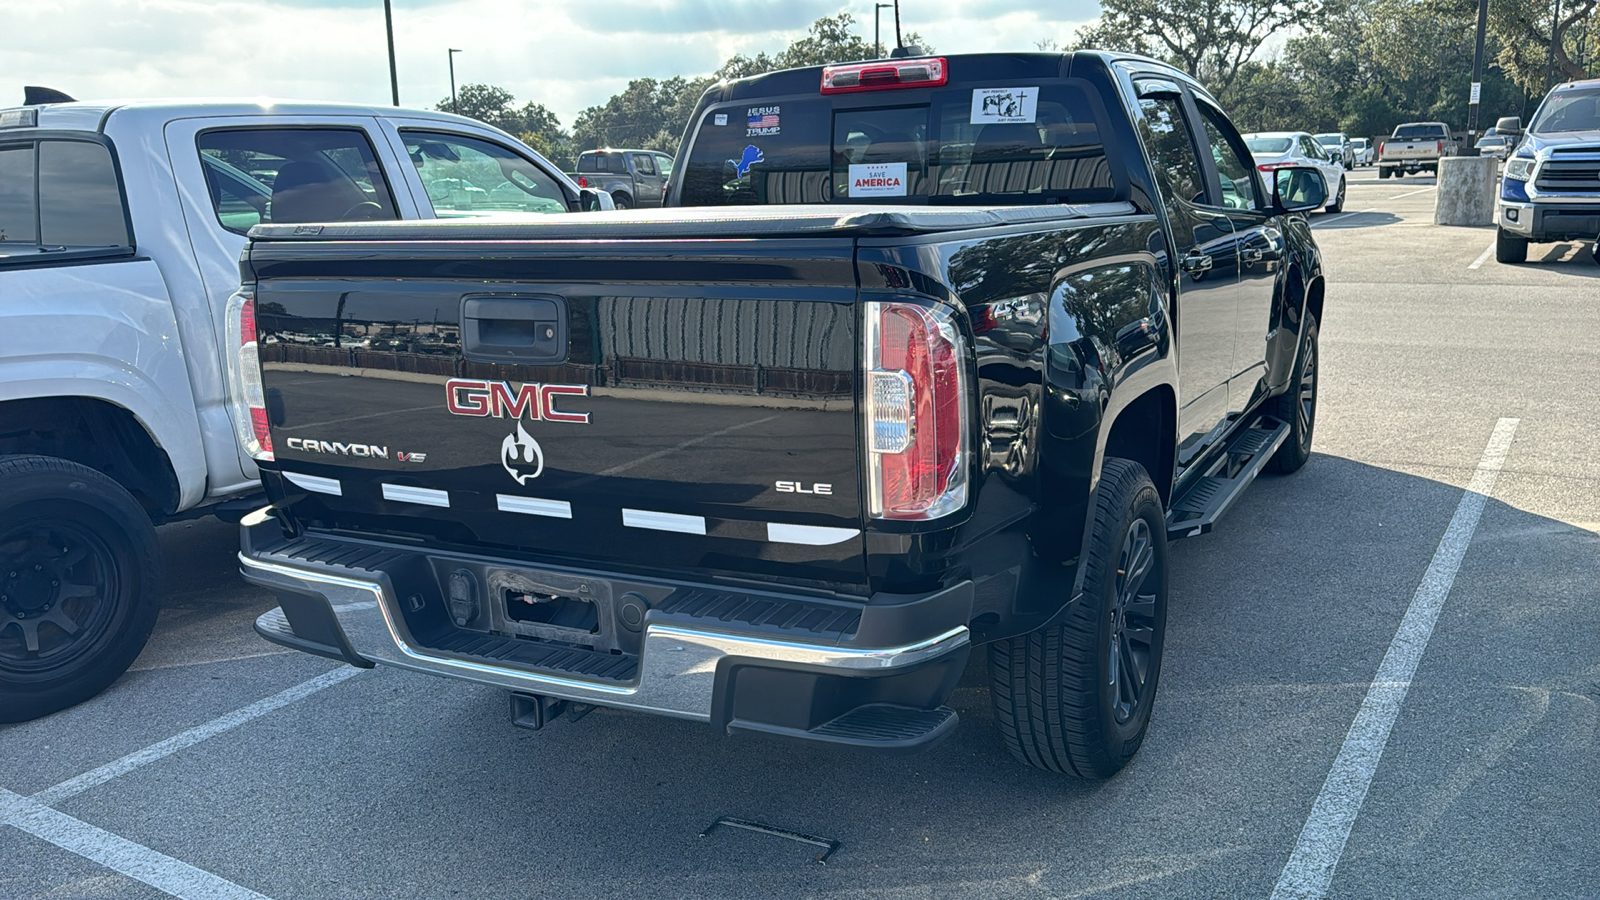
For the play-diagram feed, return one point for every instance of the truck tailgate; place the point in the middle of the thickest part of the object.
(659, 404)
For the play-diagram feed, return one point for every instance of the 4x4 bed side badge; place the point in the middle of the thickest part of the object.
(497, 399)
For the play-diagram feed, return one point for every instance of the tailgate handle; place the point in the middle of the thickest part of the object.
(514, 329)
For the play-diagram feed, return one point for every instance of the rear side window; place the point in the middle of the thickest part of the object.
(644, 164)
(1025, 144)
(61, 193)
(267, 175)
(467, 176)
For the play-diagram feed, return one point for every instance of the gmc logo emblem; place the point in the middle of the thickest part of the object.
(466, 397)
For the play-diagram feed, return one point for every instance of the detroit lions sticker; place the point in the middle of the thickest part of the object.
(1000, 105)
(878, 180)
(752, 155)
(763, 121)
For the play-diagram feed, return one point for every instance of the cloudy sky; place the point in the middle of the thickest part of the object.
(566, 55)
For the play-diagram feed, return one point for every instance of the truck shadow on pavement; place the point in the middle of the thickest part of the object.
(396, 785)
(1277, 622)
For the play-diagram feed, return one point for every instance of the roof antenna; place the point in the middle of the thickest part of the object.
(33, 95)
(901, 51)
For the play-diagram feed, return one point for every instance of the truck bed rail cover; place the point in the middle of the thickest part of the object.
(700, 222)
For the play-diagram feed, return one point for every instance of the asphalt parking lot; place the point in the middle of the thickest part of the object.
(1453, 500)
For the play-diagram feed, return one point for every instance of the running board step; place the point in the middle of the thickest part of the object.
(880, 726)
(1199, 508)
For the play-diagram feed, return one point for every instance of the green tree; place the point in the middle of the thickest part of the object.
(1209, 39)
(651, 114)
(533, 123)
(1533, 42)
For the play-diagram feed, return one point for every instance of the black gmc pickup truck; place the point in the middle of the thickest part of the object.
(927, 353)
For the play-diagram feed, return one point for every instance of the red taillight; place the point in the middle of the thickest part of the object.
(247, 397)
(582, 181)
(915, 412)
(1440, 146)
(884, 76)
(1268, 167)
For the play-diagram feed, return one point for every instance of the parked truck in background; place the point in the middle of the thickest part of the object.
(924, 362)
(633, 178)
(1550, 187)
(120, 232)
(1415, 147)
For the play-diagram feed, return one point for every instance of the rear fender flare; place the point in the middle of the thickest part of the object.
(172, 427)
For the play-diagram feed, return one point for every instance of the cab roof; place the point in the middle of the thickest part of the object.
(92, 115)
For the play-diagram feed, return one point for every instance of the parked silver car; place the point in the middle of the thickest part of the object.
(1338, 147)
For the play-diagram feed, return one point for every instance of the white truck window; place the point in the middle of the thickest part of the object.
(19, 209)
(61, 193)
(299, 175)
(466, 176)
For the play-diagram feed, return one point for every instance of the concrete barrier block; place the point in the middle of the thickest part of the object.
(1466, 190)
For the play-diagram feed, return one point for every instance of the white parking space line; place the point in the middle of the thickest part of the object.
(119, 767)
(1431, 187)
(136, 861)
(1310, 869)
(615, 470)
(1482, 258)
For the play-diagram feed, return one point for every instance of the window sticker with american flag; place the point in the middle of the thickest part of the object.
(762, 121)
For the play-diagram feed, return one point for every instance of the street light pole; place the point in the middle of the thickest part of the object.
(1477, 82)
(452, 56)
(394, 77)
(877, 43)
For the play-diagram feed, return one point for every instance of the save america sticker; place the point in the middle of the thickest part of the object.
(878, 180)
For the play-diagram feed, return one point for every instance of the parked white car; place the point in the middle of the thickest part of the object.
(121, 226)
(1366, 154)
(1275, 149)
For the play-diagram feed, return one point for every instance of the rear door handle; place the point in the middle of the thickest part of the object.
(1250, 255)
(1197, 262)
(530, 330)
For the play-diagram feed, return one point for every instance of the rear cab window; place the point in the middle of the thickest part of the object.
(611, 163)
(1419, 133)
(1035, 142)
(275, 175)
(61, 195)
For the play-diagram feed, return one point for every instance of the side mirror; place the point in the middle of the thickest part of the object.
(1298, 189)
(594, 199)
(1511, 125)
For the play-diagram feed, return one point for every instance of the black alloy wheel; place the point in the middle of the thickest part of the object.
(56, 584)
(1133, 623)
(1076, 697)
(79, 569)
(1297, 405)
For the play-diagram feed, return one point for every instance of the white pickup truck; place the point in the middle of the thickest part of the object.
(121, 226)
(1415, 147)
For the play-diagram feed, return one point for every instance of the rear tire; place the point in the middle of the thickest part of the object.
(622, 201)
(79, 566)
(1297, 405)
(1382, 172)
(1076, 698)
(1508, 248)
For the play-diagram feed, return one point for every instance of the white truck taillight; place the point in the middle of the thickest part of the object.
(915, 410)
(245, 394)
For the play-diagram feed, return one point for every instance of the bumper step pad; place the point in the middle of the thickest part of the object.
(881, 726)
